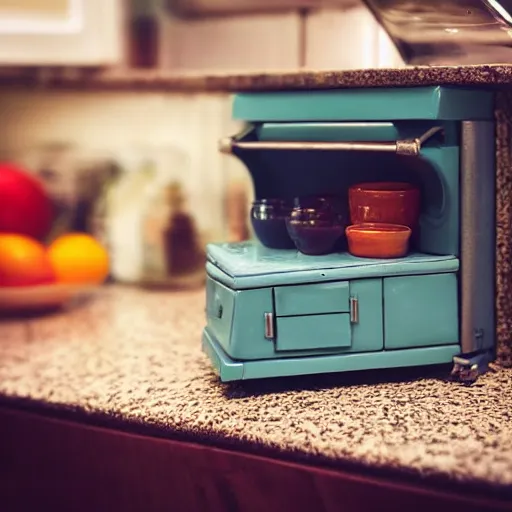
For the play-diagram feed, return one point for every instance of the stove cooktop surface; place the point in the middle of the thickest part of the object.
(250, 259)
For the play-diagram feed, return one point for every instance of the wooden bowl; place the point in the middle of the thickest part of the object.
(387, 202)
(372, 240)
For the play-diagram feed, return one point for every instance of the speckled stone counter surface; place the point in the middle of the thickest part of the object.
(504, 227)
(481, 75)
(131, 357)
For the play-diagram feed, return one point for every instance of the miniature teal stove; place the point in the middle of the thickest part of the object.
(273, 313)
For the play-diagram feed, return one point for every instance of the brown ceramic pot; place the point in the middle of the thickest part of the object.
(385, 202)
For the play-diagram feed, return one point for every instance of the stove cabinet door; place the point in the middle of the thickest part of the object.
(343, 316)
(421, 311)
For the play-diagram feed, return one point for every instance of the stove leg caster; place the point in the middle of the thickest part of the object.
(467, 368)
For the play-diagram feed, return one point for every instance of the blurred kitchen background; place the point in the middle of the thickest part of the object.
(121, 163)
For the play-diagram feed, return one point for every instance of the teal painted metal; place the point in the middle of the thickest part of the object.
(250, 265)
(313, 332)
(246, 339)
(356, 131)
(408, 310)
(420, 311)
(220, 310)
(312, 299)
(328, 132)
(376, 104)
(440, 217)
(231, 370)
(225, 367)
(368, 331)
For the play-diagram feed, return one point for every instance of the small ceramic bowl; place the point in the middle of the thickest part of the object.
(385, 202)
(372, 240)
(314, 238)
(315, 231)
(317, 224)
(268, 219)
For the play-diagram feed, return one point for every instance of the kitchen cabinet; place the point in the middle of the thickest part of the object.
(420, 311)
(43, 452)
(61, 32)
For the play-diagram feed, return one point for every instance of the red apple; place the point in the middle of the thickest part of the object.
(25, 208)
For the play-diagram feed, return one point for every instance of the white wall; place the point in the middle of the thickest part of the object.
(347, 37)
(240, 43)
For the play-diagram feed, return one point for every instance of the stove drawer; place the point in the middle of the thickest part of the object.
(313, 332)
(312, 299)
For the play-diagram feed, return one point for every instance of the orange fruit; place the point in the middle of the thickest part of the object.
(23, 261)
(77, 258)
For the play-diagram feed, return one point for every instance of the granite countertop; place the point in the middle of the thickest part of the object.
(131, 359)
(161, 80)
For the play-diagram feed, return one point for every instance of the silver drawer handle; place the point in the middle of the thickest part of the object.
(409, 147)
(354, 310)
(269, 326)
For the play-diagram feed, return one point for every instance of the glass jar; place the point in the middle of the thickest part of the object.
(125, 206)
(172, 250)
(97, 220)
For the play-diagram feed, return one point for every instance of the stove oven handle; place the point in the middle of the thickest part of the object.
(410, 147)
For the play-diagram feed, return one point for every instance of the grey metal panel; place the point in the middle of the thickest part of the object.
(478, 236)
